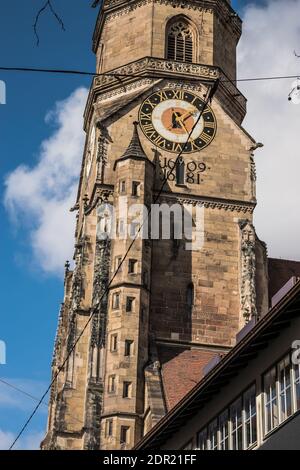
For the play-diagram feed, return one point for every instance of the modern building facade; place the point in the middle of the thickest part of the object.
(134, 334)
(251, 399)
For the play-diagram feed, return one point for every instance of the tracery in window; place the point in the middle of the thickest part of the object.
(180, 42)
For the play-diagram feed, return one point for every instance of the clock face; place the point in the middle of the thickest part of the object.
(168, 117)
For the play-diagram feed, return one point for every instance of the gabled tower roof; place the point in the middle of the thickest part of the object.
(135, 150)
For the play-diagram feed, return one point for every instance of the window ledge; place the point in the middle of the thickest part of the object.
(280, 426)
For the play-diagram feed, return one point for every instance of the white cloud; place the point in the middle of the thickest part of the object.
(41, 196)
(28, 442)
(11, 397)
(271, 34)
(6, 438)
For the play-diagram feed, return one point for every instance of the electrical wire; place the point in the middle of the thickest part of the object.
(32, 397)
(209, 97)
(17, 389)
(115, 74)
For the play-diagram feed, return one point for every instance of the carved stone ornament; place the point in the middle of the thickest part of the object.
(248, 270)
(102, 158)
(77, 284)
(152, 65)
(208, 203)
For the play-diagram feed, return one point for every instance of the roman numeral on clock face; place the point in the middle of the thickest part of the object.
(162, 95)
(160, 141)
(209, 124)
(168, 116)
(176, 147)
(149, 130)
(178, 95)
(206, 138)
(193, 146)
(145, 116)
(148, 102)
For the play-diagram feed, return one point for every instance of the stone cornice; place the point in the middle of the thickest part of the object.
(103, 192)
(159, 69)
(128, 285)
(209, 202)
(115, 8)
(183, 344)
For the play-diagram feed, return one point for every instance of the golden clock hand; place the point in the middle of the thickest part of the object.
(183, 125)
(186, 115)
(186, 130)
(190, 114)
(177, 116)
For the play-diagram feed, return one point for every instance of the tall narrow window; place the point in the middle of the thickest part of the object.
(122, 187)
(285, 388)
(297, 386)
(223, 425)
(236, 425)
(132, 266)
(190, 294)
(124, 434)
(136, 185)
(271, 402)
(109, 428)
(118, 261)
(112, 384)
(127, 387)
(250, 417)
(114, 343)
(129, 304)
(134, 229)
(202, 440)
(213, 435)
(128, 347)
(180, 42)
(116, 301)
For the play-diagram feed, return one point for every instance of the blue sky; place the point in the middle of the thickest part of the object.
(31, 295)
(31, 298)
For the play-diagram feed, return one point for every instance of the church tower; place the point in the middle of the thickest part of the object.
(141, 319)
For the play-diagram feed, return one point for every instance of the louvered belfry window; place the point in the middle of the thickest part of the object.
(180, 42)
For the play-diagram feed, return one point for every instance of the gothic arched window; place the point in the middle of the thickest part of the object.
(180, 42)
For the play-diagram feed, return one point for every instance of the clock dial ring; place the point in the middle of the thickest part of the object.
(167, 117)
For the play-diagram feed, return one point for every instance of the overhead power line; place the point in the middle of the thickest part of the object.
(210, 94)
(17, 389)
(116, 74)
(32, 397)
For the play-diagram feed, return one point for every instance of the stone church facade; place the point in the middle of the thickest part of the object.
(137, 341)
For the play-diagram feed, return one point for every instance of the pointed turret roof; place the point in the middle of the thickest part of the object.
(134, 150)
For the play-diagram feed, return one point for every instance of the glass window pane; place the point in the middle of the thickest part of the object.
(285, 388)
(124, 435)
(237, 425)
(213, 435)
(297, 386)
(202, 440)
(250, 417)
(271, 401)
(223, 427)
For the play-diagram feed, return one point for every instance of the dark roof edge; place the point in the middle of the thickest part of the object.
(252, 335)
(283, 260)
